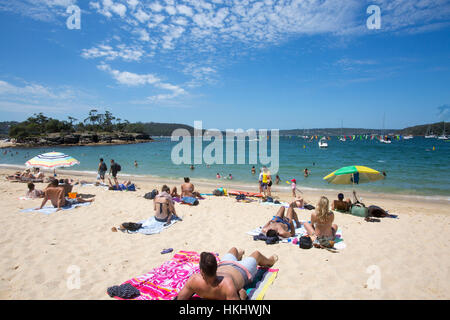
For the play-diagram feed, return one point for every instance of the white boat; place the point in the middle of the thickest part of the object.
(383, 140)
(443, 136)
(429, 134)
(342, 139)
(323, 143)
(408, 137)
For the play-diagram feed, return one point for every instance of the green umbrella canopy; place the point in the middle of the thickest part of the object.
(354, 175)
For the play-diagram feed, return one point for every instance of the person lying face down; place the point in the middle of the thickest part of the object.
(226, 280)
(281, 225)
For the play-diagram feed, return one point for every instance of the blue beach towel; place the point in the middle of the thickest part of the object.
(51, 209)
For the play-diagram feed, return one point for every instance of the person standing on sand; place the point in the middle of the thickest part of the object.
(293, 186)
(102, 168)
(113, 169)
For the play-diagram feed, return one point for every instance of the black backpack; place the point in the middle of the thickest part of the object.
(118, 167)
(151, 195)
(305, 242)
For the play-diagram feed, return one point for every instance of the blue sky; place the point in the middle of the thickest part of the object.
(232, 64)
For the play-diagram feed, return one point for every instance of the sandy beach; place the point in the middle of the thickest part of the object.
(410, 253)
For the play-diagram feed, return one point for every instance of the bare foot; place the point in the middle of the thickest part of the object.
(114, 229)
(274, 257)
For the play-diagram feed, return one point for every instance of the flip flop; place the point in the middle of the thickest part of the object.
(166, 251)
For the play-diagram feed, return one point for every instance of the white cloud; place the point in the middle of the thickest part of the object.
(134, 79)
(142, 16)
(133, 53)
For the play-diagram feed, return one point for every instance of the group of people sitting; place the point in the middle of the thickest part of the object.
(57, 192)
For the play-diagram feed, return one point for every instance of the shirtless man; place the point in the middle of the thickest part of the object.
(227, 280)
(187, 189)
(280, 225)
(55, 194)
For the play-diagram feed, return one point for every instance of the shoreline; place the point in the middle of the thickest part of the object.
(33, 146)
(279, 192)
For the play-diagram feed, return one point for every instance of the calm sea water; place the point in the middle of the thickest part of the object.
(412, 167)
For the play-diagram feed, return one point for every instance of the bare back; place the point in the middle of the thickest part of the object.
(222, 289)
(323, 228)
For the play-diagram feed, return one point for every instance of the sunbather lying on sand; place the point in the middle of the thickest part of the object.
(55, 194)
(120, 186)
(321, 229)
(164, 206)
(281, 225)
(226, 280)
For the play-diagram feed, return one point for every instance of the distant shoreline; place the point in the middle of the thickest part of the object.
(31, 146)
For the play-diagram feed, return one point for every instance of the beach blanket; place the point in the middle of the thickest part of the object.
(152, 226)
(166, 281)
(51, 209)
(299, 232)
(260, 284)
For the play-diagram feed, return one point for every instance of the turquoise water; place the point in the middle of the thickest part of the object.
(412, 167)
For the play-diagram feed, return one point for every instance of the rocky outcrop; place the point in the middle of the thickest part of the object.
(84, 139)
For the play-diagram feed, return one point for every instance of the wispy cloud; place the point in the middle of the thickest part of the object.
(31, 97)
(133, 79)
(444, 112)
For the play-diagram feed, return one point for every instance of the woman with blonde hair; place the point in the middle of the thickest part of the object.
(321, 229)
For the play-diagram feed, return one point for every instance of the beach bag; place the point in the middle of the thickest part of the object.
(190, 200)
(269, 199)
(240, 197)
(217, 192)
(131, 187)
(151, 195)
(131, 226)
(309, 207)
(305, 242)
(358, 209)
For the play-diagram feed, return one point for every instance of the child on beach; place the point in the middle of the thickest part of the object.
(293, 186)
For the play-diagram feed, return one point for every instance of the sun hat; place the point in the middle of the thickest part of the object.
(293, 180)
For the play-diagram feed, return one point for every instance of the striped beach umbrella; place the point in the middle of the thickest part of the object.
(354, 175)
(52, 160)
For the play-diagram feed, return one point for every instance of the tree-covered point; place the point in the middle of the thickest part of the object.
(39, 125)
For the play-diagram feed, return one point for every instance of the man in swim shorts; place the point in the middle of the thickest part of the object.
(281, 225)
(226, 280)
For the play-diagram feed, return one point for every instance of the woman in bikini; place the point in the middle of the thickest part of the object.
(321, 229)
(164, 206)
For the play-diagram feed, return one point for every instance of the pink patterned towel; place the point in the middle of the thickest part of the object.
(166, 281)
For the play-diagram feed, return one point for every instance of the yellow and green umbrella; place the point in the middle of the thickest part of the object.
(354, 175)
